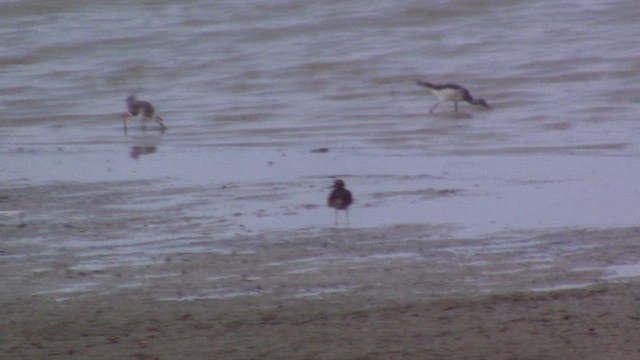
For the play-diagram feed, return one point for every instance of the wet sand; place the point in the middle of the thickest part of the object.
(400, 292)
(87, 274)
(600, 322)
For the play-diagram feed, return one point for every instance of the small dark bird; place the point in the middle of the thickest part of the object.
(451, 92)
(142, 109)
(340, 199)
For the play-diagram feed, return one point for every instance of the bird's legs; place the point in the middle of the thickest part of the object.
(455, 106)
(434, 107)
(124, 122)
(160, 122)
(157, 119)
(337, 217)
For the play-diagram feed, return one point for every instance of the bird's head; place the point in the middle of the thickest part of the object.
(131, 99)
(482, 102)
(338, 184)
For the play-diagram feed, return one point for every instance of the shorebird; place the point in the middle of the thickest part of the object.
(142, 109)
(451, 92)
(340, 199)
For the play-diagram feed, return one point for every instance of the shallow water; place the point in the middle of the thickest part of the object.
(248, 90)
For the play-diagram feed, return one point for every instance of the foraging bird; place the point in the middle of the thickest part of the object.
(143, 109)
(340, 199)
(451, 92)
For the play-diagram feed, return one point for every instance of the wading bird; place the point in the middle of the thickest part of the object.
(142, 109)
(340, 199)
(451, 92)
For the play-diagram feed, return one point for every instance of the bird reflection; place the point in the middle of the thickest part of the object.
(139, 150)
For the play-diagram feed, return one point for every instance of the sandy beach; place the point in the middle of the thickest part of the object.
(600, 322)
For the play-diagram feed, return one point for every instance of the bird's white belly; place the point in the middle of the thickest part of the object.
(140, 117)
(448, 95)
